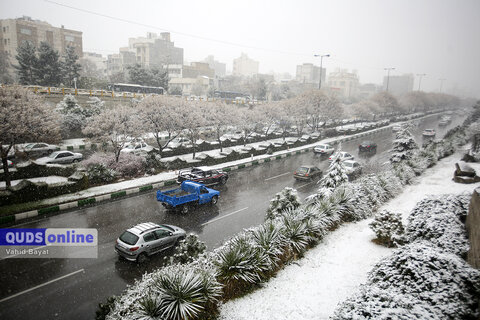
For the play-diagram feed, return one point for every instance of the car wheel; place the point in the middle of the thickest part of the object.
(184, 209)
(214, 200)
(223, 180)
(76, 160)
(142, 258)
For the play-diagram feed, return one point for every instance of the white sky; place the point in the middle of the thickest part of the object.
(438, 37)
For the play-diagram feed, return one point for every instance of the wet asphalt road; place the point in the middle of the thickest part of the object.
(72, 288)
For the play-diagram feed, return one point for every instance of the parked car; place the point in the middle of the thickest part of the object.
(324, 149)
(180, 142)
(443, 123)
(137, 147)
(352, 167)
(61, 157)
(205, 175)
(342, 155)
(307, 173)
(147, 239)
(38, 149)
(396, 128)
(190, 194)
(367, 146)
(429, 133)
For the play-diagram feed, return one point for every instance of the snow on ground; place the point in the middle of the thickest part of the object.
(49, 180)
(331, 272)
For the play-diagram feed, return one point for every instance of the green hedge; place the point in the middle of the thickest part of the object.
(170, 182)
(118, 194)
(85, 202)
(241, 166)
(70, 148)
(227, 169)
(81, 147)
(7, 219)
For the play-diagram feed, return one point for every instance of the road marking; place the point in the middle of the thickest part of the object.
(14, 255)
(305, 185)
(41, 285)
(280, 175)
(220, 218)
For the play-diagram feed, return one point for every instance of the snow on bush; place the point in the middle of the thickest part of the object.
(438, 219)
(427, 273)
(129, 165)
(335, 175)
(187, 250)
(285, 199)
(403, 146)
(388, 228)
(404, 172)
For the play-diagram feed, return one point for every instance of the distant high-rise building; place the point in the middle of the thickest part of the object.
(157, 51)
(198, 69)
(244, 66)
(220, 68)
(399, 85)
(344, 83)
(14, 32)
(307, 73)
(98, 61)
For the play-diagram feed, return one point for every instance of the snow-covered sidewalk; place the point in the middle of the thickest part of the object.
(331, 272)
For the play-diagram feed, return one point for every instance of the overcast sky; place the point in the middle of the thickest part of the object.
(440, 38)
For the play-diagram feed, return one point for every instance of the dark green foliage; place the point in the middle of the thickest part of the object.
(48, 70)
(70, 67)
(104, 308)
(27, 63)
(388, 228)
(187, 250)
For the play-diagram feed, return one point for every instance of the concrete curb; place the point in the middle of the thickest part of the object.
(83, 202)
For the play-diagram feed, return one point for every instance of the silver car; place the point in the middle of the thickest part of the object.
(61, 157)
(146, 239)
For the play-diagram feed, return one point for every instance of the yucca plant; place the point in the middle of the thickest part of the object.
(327, 213)
(149, 308)
(240, 265)
(270, 239)
(184, 293)
(296, 234)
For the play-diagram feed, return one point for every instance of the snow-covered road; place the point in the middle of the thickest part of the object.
(328, 274)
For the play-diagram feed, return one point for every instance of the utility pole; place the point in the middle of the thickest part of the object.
(388, 75)
(420, 80)
(441, 84)
(321, 60)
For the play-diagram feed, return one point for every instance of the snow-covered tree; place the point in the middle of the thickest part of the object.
(5, 76)
(319, 107)
(70, 66)
(116, 126)
(246, 120)
(404, 146)
(24, 118)
(388, 228)
(27, 63)
(269, 112)
(335, 175)
(193, 115)
(159, 114)
(386, 101)
(74, 116)
(220, 116)
(283, 200)
(48, 70)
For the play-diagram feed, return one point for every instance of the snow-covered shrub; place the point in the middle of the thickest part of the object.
(184, 293)
(335, 175)
(371, 302)
(418, 163)
(404, 172)
(296, 234)
(129, 165)
(240, 264)
(149, 307)
(425, 272)
(187, 250)
(99, 173)
(388, 228)
(342, 199)
(285, 199)
(270, 239)
(390, 182)
(403, 146)
(438, 219)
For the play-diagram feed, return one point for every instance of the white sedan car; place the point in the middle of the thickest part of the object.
(61, 157)
(137, 148)
(352, 167)
(324, 149)
(342, 155)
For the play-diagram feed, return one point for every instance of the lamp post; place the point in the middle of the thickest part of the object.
(321, 60)
(388, 75)
(420, 80)
(441, 83)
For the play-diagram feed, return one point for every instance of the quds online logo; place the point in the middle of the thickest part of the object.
(63, 237)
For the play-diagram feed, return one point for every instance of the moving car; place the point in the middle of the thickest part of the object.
(190, 194)
(307, 173)
(205, 175)
(429, 133)
(61, 157)
(147, 239)
(352, 167)
(342, 155)
(367, 146)
(324, 149)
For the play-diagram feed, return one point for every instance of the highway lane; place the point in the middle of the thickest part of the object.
(72, 288)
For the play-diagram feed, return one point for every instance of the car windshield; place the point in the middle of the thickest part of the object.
(129, 238)
(302, 170)
(29, 146)
(53, 155)
(348, 164)
(129, 146)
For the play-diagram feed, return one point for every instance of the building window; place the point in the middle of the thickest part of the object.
(4, 29)
(70, 38)
(26, 31)
(8, 40)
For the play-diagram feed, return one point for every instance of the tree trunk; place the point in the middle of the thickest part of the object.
(6, 172)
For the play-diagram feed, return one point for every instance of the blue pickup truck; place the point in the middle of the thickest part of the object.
(188, 195)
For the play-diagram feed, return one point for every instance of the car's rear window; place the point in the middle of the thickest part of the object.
(129, 238)
(167, 227)
(302, 170)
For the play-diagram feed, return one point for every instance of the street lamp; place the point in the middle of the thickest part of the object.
(420, 80)
(321, 60)
(441, 83)
(388, 75)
